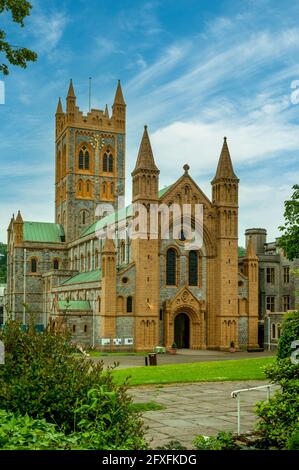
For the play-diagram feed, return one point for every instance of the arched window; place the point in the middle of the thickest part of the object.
(96, 255)
(88, 187)
(112, 189)
(171, 267)
(129, 304)
(76, 263)
(86, 160)
(273, 331)
(82, 263)
(193, 268)
(88, 262)
(56, 263)
(33, 265)
(110, 163)
(83, 218)
(81, 160)
(105, 162)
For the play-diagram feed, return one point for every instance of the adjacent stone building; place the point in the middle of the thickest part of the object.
(132, 292)
(278, 285)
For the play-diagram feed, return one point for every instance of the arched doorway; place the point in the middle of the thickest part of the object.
(182, 330)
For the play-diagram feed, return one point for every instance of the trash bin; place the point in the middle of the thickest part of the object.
(152, 359)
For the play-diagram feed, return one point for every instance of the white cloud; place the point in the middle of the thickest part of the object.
(48, 29)
(199, 143)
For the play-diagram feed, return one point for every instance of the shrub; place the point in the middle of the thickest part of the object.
(293, 443)
(278, 417)
(223, 441)
(42, 378)
(24, 433)
(290, 332)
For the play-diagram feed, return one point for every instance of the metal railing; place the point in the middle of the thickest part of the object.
(236, 394)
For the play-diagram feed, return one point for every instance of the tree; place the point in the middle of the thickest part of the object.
(241, 251)
(289, 240)
(3, 258)
(15, 55)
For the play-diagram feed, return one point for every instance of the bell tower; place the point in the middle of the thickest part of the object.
(225, 198)
(90, 161)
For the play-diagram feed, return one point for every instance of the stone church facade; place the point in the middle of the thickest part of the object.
(131, 293)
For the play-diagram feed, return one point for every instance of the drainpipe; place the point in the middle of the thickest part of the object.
(24, 295)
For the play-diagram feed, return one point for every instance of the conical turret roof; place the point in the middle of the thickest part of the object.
(145, 158)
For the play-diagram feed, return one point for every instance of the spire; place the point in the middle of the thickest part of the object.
(59, 109)
(250, 251)
(11, 223)
(19, 218)
(106, 112)
(145, 159)
(119, 99)
(225, 166)
(71, 93)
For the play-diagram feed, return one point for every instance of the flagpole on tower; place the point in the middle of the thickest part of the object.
(89, 93)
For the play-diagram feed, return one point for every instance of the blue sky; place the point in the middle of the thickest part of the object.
(193, 71)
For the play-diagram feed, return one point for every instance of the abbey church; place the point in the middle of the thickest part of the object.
(131, 293)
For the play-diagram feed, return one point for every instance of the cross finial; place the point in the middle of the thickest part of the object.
(186, 168)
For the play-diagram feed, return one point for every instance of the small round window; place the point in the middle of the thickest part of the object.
(125, 280)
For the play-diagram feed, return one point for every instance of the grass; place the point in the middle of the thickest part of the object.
(214, 371)
(149, 406)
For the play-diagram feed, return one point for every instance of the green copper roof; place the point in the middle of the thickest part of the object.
(74, 305)
(88, 276)
(163, 191)
(43, 232)
(122, 214)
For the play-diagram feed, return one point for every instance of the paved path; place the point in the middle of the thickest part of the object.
(183, 356)
(197, 408)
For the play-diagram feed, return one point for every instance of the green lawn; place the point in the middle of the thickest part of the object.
(214, 371)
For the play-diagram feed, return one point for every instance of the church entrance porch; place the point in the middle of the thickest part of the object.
(182, 331)
(184, 321)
